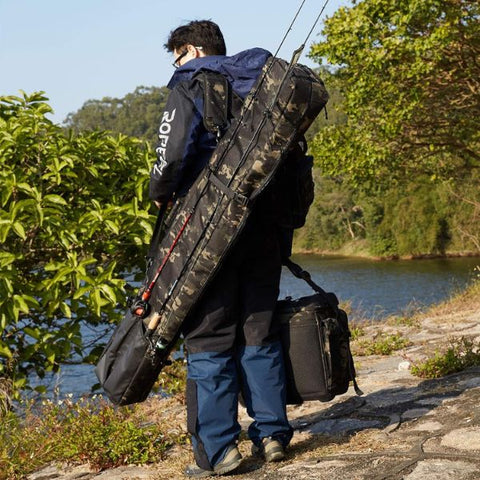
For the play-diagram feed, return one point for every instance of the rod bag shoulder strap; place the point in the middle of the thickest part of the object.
(157, 232)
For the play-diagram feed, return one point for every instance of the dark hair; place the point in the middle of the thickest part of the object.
(199, 33)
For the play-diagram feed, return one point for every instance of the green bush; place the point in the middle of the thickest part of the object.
(334, 218)
(74, 218)
(173, 378)
(88, 431)
(414, 220)
(461, 354)
(137, 114)
(411, 218)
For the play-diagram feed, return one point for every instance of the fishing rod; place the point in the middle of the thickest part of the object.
(141, 307)
(295, 57)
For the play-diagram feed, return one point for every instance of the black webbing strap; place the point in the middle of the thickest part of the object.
(299, 272)
(227, 191)
(351, 371)
(157, 231)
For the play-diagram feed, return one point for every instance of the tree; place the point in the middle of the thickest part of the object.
(73, 221)
(410, 76)
(137, 114)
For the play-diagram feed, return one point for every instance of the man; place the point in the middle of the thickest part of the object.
(231, 342)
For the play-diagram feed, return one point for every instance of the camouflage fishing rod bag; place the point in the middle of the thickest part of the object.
(201, 229)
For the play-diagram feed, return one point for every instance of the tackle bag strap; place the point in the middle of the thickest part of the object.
(299, 272)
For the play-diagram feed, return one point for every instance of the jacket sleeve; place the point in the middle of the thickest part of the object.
(177, 139)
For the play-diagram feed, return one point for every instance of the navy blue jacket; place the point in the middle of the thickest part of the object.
(185, 146)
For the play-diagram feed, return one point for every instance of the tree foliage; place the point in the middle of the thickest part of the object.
(403, 219)
(410, 76)
(137, 114)
(73, 219)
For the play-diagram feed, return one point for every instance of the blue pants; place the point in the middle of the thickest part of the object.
(232, 346)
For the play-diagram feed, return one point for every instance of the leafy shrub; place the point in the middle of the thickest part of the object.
(73, 219)
(461, 354)
(88, 431)
(173, 378)
(356, 332)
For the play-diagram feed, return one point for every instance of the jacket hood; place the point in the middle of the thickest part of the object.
(241, 70)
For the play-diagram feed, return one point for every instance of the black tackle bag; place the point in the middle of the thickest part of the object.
(316, 344)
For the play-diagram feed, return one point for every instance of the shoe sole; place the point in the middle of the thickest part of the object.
(199, 474)
(217, 471)
(232, 465)
(232, 460)
(274, 457)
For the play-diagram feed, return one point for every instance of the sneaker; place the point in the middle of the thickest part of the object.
(194, 471)
(229, 463)
(270, 449)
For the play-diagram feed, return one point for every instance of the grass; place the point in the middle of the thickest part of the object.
(404, 321)
(382, 344)
(356, 331)
(462, 301)
(5, 396)
(88, 431)
(462, 353)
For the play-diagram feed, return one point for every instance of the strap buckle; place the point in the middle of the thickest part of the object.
(227, 191)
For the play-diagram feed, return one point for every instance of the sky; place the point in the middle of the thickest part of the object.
(77, 50)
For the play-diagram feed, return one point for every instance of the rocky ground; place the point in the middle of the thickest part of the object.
(402, 427)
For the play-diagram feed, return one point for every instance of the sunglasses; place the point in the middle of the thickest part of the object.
(175, 63)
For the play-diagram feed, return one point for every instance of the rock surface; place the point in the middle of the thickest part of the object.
(402, 427)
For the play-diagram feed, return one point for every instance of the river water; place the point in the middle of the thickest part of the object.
(374, 289)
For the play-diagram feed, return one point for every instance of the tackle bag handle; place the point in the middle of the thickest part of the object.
(302, 274)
